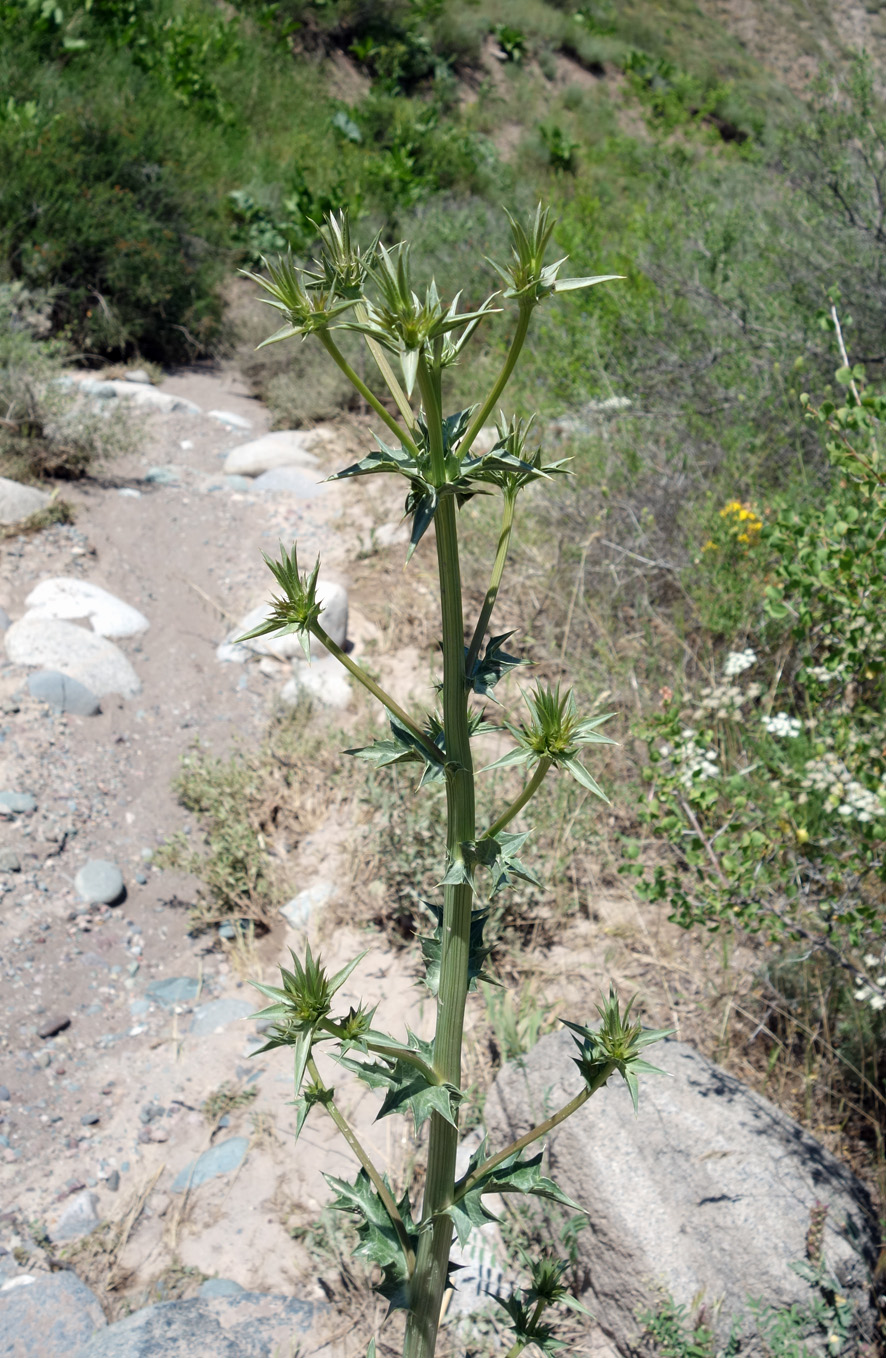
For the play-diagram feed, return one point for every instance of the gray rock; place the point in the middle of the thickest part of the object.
(285, 448)
(63, 694)
(217, 1014)
(248, 1325)
(9, 861)
(707, 1192)
(299, 910)
(78, 1217)
(5, 1095)
(228, 417)
(49, 644)
(112, 1183)
(323, 682)
(51, 1315)
(90, 1119)
(5, 620)
(240, 483)
(163, 476)
(222, 1158)
(138, 393)
(50, 1027)
(18, 502)
(100, 882)
(174, 990)
(220, 1287)
(18, 803)
(68, 598)
(293, 480)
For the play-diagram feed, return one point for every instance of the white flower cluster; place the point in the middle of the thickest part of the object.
(866, 992)
(694, 762)
(783, 725)
(737, 662)
(725, 700)
(845, 795)
(821, 673)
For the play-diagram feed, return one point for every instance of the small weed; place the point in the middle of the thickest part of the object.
(225, 1099)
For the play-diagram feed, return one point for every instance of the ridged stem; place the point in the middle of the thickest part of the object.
(432, 1263)
(498, 567)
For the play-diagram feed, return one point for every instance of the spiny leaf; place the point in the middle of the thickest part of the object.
(379, 1241)
(432, 950)
(408, 1089)
(493, 665)
(511, 1176)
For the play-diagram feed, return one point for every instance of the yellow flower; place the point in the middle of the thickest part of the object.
(710, 546)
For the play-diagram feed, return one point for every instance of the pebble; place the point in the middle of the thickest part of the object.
(298, 911)
(17, 803)
(141, 878)
(57, 1024)
(90, 1120)
(219, 1287)
(67, 598)
(162, 476)
(240, 483)
(215, 1015)
(100, 883)
(5, 620)
(149, 1112)
(55, 644)
(174, 990)
(285, 448)
(79, 1217)
(63, 694)
(112, 1183)
(222, 1158)
(9, 861)
(5, 1095)
(18, 502)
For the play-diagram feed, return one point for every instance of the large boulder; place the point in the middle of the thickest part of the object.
(284, 448)
(92, 660)
(47, 1314)
(18, 502)
(707, 1193)
(247, 1325)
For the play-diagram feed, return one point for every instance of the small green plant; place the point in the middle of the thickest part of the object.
(479, 853)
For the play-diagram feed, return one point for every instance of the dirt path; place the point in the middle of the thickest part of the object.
(184, 547)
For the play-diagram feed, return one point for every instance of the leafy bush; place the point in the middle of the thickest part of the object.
(45, 430)
(769, 784)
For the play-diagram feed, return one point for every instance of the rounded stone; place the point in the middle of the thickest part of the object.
(100, 883)
(82, 655)
(63, 694)
(67, 598)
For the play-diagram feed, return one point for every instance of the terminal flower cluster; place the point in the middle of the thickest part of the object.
(693, 761)
(737, 662)
(845, 794)
(781, 724)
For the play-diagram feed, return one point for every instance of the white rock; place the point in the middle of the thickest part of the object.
(285, 448)
(333, 619)
(18, 501)
(138, 375)
(53, 645)
(65, 597)
(324, 682)
(230, 418)
(77, 1218)
(298, 911)
(138, 393)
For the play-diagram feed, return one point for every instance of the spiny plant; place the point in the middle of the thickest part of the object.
(371, 292)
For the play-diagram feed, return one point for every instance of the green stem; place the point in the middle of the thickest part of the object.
(432, 1262)
(378, 1182)
(528, 792)
(537, 1314)
(333, 350)
(401, 400)
(377, 692)
(498, 567)
(503, 378)
(581, 1098)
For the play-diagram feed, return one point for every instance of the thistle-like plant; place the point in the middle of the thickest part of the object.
(371, 292)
